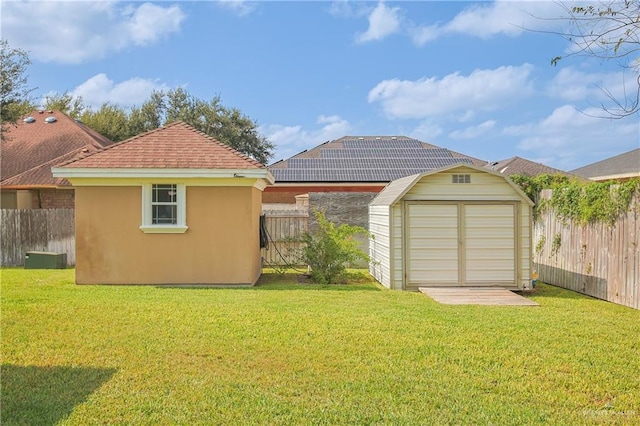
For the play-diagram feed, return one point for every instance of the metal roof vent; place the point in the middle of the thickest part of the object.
(29, 119)
(50, 120)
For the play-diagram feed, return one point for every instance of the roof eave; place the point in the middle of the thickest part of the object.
(151, 173)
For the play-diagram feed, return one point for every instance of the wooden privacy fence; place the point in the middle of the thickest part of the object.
(282, 226)
(598, 259)
(36, 230)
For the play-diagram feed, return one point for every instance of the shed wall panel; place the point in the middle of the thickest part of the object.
(379, 246)
(432, 244)
(489, 241)
(397, 256)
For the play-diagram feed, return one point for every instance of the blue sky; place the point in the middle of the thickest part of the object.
(474, 77)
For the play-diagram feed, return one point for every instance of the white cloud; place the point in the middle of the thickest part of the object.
(507, 17)
(75, 32)
(149, 22)
(427, 131)
(421, 35)
(290, 140)
(383, 21)
(238, 7)
(473, 131)
(349, 9)
(453, 94)
(100, 89)
(573, 85)
(569, 135)
(504, 17)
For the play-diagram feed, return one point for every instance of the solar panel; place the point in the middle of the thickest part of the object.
(382, 143)
(386, 153)
(363, 170)
(369, 163)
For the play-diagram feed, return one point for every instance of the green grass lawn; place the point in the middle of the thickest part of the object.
(289, 353)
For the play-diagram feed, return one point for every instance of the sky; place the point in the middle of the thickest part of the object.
(474, 77)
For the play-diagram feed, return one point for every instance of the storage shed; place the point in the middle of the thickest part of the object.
(460, 225)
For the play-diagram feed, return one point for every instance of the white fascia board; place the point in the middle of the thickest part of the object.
(161, 173)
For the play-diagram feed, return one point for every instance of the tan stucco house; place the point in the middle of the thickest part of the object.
(170, 206)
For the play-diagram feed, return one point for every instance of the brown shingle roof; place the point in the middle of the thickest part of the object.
(175, 146)
(619, 166)
(29, 150)
(522, 166)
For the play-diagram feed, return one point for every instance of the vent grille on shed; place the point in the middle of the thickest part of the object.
(460, 178)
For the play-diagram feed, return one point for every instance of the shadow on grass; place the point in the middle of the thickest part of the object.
(552, 291)
(355, 281)
(33, 395)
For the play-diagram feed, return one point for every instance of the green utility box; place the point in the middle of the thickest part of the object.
(45, 260)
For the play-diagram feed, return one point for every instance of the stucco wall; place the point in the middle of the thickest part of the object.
(221, 245)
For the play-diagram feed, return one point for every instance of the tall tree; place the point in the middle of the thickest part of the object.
(14, 92)
(228, 125)
(71, 105)
(110, 121)
(608, 31)
(148, 116)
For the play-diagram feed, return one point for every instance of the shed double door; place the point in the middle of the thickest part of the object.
(460, 244)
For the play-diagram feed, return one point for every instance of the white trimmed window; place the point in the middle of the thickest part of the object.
(163, 208)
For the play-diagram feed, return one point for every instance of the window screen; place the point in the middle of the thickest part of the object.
(164, 204)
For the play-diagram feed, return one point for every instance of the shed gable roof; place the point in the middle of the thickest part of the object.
(366, 159)
(175, 146)
(397, 189)
(31, 148)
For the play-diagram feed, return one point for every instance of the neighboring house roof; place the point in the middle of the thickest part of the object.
(522, 166)
(176, 147)
(366, 159)
(37, 142)
(621, 166)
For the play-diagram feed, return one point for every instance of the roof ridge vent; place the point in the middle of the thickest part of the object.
(50, 119)
(29, 119)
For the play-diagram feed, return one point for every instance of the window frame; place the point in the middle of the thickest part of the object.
(148, 227)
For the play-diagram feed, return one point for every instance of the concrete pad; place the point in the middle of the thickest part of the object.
(476, 296)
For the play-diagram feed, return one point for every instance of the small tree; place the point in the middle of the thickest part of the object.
(330, 249)
(14, 92)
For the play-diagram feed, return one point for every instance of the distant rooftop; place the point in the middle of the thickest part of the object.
(366, 159)
(522, 166)
(40, 140)
(621, 166)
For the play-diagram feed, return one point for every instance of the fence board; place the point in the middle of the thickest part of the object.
(597, 259)
(36, 230)
(281, 230)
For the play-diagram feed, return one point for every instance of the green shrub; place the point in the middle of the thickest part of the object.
(330, 248)
(582, 201)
